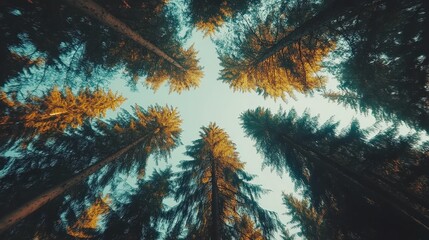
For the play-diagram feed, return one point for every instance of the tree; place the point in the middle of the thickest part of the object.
(247, 231)
(293, 67)
(52, 112)
(341, 174)
(213, 192)
(88, 221)
(316, 22)
(306, 217)
(209, 15)
(386, 71)
(155, 131)
(141, 216)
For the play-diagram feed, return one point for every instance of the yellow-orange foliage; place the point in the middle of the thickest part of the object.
(218, 147)
(89, 219)
(293, 68)
(209, 25)
(248, 231)
(163, 123)
(57, 110)
(178, 80)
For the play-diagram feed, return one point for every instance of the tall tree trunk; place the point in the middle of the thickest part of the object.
(96, 11)
(215, 203)
(366, 185)
(49, 195)
(330, 12)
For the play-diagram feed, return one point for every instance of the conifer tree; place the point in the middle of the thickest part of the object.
(342, 174)
(207, 16)
(293, 67)
(386, 70)
(309, 18)
(306, 217)
(87, 223)
(247, 230)
(154, 131)
(214, 194)
(52, 112)
(141, 215)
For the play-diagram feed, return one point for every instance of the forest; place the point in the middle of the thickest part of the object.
(89, 139)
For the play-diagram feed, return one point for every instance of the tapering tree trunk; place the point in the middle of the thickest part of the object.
(42, 199)
(365, 185)
(329, 13)
(96, 11)
(215, 203)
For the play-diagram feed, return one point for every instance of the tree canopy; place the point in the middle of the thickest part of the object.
(74, 166)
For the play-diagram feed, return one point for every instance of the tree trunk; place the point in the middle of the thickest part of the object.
(330, 12)
(364, 184)
(215, 203)
(96, 11)
(42, 199)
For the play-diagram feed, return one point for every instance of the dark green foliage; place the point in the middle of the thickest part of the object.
(323, 164)
(387, 70)
(140, 216)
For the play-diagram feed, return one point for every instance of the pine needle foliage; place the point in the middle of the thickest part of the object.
(293, 68)
(178, 80)
(214, 192)
(248, 231)
(53, 112)
(207, 16)
(140, 217)
(305, 217)
(87, 224)
(341, 173)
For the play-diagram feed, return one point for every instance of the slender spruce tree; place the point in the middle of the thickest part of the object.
(214, 193)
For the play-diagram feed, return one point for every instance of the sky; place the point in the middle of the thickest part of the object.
(214, 101)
